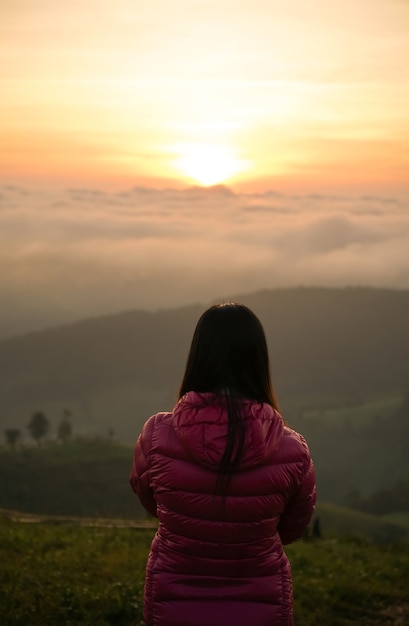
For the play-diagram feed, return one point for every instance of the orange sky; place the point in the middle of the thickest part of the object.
(256, 95)
(154, 154)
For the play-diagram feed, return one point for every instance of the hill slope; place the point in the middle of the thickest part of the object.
(327, 346)
(339, 360)
(91, 479)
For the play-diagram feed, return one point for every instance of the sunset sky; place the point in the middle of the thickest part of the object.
(315, 93)
(281, 102)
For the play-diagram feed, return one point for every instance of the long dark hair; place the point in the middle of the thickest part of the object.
(229, 357)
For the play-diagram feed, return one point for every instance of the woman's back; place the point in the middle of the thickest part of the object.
(217, 558)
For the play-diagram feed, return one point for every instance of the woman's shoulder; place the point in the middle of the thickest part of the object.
(153, 422)
(294, 445)
(157, 419)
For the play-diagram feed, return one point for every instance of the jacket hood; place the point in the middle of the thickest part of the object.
(200, 423)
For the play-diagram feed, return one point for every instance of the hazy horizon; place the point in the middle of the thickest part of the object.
(76, 253)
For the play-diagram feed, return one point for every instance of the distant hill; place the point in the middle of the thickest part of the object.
(328, 347)
(90, 478)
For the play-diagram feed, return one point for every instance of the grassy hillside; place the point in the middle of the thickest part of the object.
(338, 521)
(70, 575)
(359, 448)
(88, 478)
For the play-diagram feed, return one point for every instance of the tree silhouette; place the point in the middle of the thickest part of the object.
(12, 436)
(65, 426)
(38, 426)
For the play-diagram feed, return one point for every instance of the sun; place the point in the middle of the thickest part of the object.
(207, 164)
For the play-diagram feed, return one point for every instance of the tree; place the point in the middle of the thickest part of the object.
(65, 426)
(38, 426)
(12, 436)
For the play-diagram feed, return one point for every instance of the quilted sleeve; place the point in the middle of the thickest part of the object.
(300, 508)
(140, 472)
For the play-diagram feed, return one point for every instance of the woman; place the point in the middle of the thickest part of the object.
(229, 482)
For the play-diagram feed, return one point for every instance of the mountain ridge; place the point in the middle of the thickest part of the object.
(326, 344)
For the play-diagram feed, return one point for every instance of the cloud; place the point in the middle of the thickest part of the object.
(76, 252)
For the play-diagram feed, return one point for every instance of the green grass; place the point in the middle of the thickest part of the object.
(66, 575)
(341, 522)
(349, 581)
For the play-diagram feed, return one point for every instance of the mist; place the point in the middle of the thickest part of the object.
(74, 253)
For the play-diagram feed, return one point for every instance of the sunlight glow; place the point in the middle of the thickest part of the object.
(169, 93)
(207, 164)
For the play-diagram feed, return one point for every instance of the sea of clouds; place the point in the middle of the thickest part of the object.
(74, 253)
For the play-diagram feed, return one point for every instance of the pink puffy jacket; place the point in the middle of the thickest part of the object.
(215, 562)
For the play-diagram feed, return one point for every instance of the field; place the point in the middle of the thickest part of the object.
(67, 574)
(65, 562)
